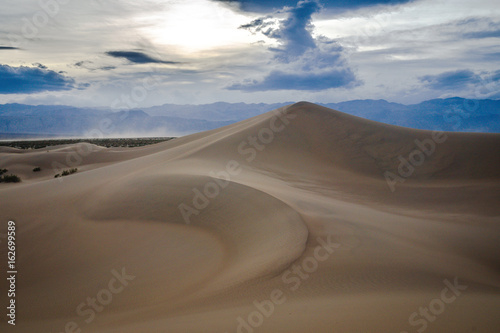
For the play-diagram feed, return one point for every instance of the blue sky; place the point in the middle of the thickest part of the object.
(124, 54)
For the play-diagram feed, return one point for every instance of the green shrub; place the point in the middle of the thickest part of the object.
(10, 179)
(2, 171)
(37, 169)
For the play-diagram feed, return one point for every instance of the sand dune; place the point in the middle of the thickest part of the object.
(303, 219)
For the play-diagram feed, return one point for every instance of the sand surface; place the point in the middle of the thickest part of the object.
(281, 223)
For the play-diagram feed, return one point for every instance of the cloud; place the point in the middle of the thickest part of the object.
(493, 56)
(295, 31)
(87, 64)
(278, 80)
(482, 85)
(258, 25)
(301, 61)
(490, 84)
(25, 80)
(8, 48)
(82, 63)
(450, 80)
(39, 65)
(478, 28)
(482, 34)
(138, 57)
(494, 76)
(106, 68)
(271, 5)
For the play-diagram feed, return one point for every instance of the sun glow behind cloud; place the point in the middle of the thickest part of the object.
(199, 48)
(198, 25)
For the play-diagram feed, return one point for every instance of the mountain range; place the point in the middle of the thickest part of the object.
(20, 120)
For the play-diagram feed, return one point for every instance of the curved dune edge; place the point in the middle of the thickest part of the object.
(261, 235)
(320, 179)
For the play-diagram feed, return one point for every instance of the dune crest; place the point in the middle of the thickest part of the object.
(302, 219)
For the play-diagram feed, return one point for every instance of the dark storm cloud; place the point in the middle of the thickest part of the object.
(138, 57)
(25, 80)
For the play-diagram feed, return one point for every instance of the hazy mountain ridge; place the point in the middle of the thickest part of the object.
(70, 121)
(452, 114)
(219, 111)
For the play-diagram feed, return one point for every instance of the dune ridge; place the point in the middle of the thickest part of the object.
(211, 223)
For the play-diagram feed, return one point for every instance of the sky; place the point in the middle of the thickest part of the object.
(124, 54)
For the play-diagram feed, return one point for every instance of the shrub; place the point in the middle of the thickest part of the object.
(2, 171)
(57, 176)
(37, 169)
(69, 172)
(10, 179)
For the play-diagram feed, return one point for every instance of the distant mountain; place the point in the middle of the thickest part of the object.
(219, 111)
(452, 114)
(46, 120)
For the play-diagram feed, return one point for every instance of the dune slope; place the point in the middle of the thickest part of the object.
(303, 219)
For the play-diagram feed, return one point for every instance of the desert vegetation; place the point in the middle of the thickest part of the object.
(66, 173)
(116, 142)
(4, 178)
